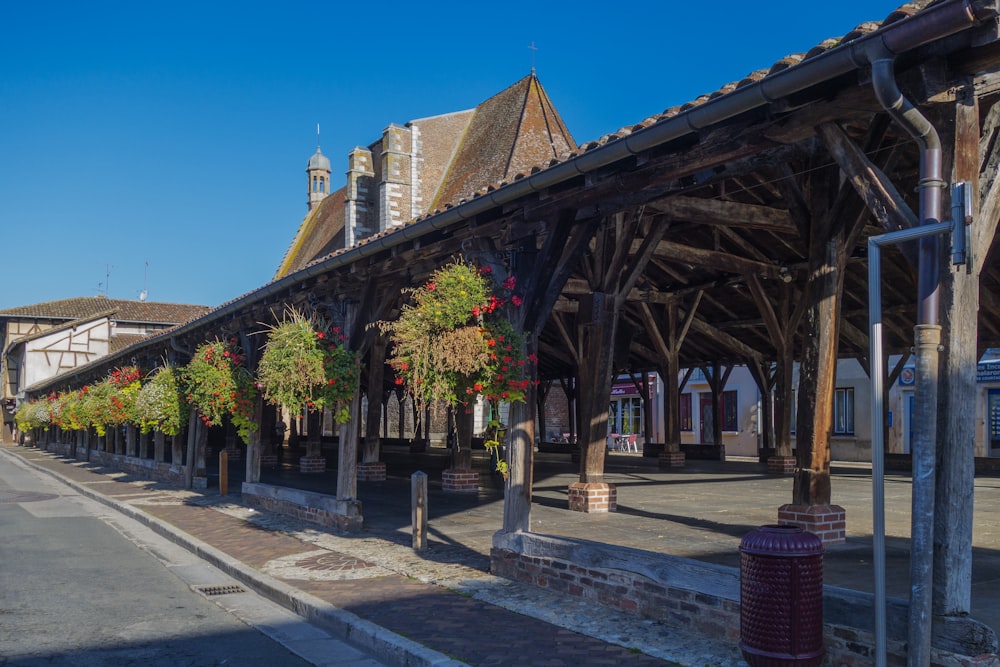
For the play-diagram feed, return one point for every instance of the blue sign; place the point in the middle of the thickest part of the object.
(988, 371)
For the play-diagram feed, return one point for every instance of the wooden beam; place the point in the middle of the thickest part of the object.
(727, 213)
(881, 197)
(712, 259)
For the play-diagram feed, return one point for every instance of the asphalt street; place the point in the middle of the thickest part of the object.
(83, 585)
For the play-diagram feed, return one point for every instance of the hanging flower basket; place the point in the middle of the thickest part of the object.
(160, 403)
(454, 341)
(307, 363)
(218, 384)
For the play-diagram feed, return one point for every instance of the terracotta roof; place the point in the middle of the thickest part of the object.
(513, 130)
(321, 233)
(117, 343)
(125, 311)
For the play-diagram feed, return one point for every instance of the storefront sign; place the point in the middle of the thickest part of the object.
(988, 371)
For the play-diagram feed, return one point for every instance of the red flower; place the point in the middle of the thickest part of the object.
(475, 311)
(491, 343)
(431, 286)
(320, 335)
(399, 381)
(477, 386)
(404, 366)
(509, 282)
(516, 300)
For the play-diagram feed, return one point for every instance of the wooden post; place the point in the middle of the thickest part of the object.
(347, 452)
(159, 442)
(418, 501)
(517, 498)
(376, 367)
(223, 473)
(254, 447)
(953, 510)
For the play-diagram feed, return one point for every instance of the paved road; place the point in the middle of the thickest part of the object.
(83, 585)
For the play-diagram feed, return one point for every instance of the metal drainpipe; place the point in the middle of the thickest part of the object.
(927, 335)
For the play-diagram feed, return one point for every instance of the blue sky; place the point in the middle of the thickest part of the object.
(175, 135)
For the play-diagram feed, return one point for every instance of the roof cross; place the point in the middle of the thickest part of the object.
(533, 49)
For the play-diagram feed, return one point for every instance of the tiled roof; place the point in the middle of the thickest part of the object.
(513, 130)
(125, 310)
(321, 233)
(119, 342)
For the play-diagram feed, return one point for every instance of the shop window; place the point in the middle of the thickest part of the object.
(730, 411)
(843, 411)
(685, 413)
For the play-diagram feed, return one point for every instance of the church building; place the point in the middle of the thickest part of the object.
(424, 165)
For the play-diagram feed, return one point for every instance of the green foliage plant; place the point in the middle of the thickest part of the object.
(161, 404)
(307, 364)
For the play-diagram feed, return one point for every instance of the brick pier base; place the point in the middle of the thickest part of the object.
(828, 522)
(671, 459)
(593, 497)
(268, 460)
(782, 465)
(460, 480)
(373, 471)
(312, 464)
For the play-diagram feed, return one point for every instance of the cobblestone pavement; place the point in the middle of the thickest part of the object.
(442, 598)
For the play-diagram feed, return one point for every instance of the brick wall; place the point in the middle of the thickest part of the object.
(704, 598)
(316, 508)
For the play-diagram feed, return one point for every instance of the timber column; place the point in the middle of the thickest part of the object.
(597, 332)
(371, 469)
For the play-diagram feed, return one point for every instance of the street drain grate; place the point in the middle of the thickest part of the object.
(220, 590)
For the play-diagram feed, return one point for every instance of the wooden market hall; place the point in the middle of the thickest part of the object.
(731, 231)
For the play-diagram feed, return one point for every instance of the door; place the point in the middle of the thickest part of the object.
(707, 420)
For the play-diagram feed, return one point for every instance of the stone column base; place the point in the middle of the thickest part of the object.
(828, 522)
(782, 465)
(373, 471)
(671, 459)
(268, 460)
(460, 480)
(312, 464)
(593, 497)
(234, 453)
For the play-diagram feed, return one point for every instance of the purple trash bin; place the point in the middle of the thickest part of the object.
(781, 597)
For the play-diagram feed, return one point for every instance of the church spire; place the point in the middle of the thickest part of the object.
(318, 175)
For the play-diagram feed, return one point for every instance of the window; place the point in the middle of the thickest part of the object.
(730, 411)
(322, 184)
(843, 411)
(685, 413)
(315, 184)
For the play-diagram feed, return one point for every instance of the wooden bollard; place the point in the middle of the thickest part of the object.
(418, 500)
(223, 473)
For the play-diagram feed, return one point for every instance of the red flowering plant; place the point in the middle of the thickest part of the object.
(307, 363)
(124, 386)
(219, 384)
(454, 340)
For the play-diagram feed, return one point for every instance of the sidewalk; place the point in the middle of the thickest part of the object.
(438, 607)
